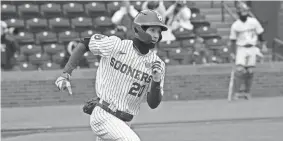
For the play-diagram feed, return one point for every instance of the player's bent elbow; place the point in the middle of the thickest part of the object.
(153, 101)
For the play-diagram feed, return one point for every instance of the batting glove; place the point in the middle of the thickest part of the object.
(156, 71)
(63, 83)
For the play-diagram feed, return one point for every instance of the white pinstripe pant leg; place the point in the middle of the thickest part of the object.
(109, 128)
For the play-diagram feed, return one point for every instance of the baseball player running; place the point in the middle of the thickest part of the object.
(244, 36)
(128, 71)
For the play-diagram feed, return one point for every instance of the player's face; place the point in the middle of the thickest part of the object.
(155, 32)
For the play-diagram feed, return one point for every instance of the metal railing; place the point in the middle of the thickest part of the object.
(277, 50)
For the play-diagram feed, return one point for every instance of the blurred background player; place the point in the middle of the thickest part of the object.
(245, 34)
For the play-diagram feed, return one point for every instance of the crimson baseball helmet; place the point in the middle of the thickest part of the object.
(144, 19)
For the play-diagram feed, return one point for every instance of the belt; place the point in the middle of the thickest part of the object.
(119, 114)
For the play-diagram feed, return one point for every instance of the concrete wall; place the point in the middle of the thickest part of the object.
(185, 82)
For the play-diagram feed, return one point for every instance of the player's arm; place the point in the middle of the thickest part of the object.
(259, 30)
(155, 94)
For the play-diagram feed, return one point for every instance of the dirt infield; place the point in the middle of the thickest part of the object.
(213, 120)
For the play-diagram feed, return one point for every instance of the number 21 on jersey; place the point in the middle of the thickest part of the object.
(137, 89)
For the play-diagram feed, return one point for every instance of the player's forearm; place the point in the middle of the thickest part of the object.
(154, 97)
(77, 54)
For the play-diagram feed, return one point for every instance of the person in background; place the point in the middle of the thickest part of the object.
(9, 47)
(158, 6)
(179, 16)
(124, 17)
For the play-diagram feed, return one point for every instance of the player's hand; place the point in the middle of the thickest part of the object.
(156, 71)
(63, 83)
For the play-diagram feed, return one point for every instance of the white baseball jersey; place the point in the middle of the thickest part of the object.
(123, 76)
(246, 32)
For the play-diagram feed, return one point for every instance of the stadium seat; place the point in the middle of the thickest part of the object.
(198, 20)
(81, 23)
(119, 34)
(47, 65)
(182, 33)
(167, 46)
(25, 66)
(112, 7)
(215, 43)
(59, 24)
(8, 11)
(88, 33)
(96, 9)
(72, 10)
(46, 37)
(25, 38)
(39, 59)
(195, 10)
(179, 53)
(67, 36)
(188, 43)
(103, 23)
(51, 10)
(30, 49)
(27, 11)
(52, 49)
(20, 58)
(171, 62)
(94, 65)
(59, 58)
(137, 5)
(36, 25)
(162, 53)
(17, 23)
(207, 32)
(91, 58)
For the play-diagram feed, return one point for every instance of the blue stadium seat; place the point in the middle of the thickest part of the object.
(46, 37)
(113, 32)
(51, 10)
(182, 33)
(30, 49)
(167, 46)
(37, 25)
(8, 11)
(215, 43)
(17, 23)
(59, 57)
(52, 49)
(82, 23)
(137, 5)
(112, 7)
(96, 9)
(207, 32)
(88, 33)
(72, 10)
(59, 24)
(25, 66)
(27, 11)
(198, 20)
(103, 23)
(162, 53)
(39, 58)
(188, 43)
(47, 65)
(20, 58)
(67, 36)
(25, 38)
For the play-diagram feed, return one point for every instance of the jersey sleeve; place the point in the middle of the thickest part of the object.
(233, 32)
(259, 29)
(102, 45)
